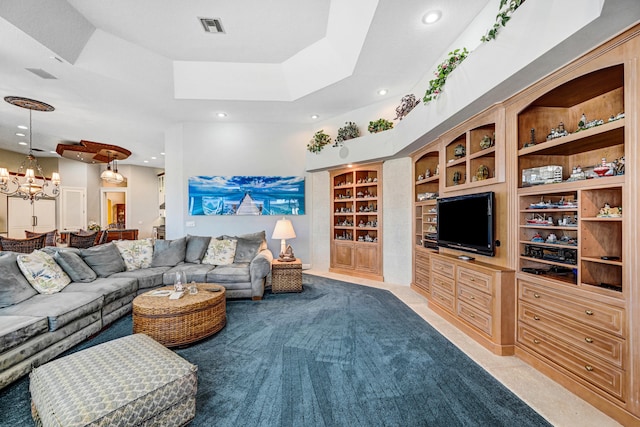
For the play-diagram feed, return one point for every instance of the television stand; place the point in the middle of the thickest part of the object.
(478, 298)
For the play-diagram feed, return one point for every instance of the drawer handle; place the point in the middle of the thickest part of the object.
(536, 295)
(588, 368)
(536, 318)
(472, 315)
(589, 340)
(472, 297)
(473, 279)
(536, 341)
(589, 312)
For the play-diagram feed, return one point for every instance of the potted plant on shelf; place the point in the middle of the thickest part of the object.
(380, 125)
(319, 140)
(349, 131)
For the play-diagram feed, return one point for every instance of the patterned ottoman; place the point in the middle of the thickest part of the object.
(130, 381)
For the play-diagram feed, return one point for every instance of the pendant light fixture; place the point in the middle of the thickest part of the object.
(29, 182)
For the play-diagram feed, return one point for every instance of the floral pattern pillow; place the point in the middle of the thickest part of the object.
(136, 253)
(220, 252)
(42, 272)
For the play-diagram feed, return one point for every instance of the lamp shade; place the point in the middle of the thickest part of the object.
(284, 230)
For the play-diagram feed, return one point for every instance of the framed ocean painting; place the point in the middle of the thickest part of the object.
(246, 195)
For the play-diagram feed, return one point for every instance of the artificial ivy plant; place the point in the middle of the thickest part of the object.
(319, 140)
(380, 125)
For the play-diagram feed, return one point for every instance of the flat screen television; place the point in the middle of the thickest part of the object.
(467, 223)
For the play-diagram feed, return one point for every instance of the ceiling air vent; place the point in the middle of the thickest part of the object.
(41, 73)
(212, 25)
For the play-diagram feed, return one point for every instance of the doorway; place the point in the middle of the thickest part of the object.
(113, 208)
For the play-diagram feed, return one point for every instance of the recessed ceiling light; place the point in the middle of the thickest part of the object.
(315, 116)
(145, 161)
(382, 92)
(22, 143)
(221, 115)
(53, 152)
(153, 157)
(162, 154)
(22, 127)
(431, 17)
(20, 134)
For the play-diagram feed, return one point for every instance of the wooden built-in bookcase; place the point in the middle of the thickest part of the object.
(564, 165)
(356, 226)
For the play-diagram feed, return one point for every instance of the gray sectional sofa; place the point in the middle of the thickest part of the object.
(36, 327)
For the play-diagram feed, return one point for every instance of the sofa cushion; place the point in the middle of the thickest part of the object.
(75, 267)
(44, 274)
(147, 278)
(195, 273)
(110, 288)
(136, 254)
(60, 308)
(14, 288)
(14, 330)
(220, 252)
(236, 272)
(248, 245)
(105, 259)
(168, 253)
(196, 247)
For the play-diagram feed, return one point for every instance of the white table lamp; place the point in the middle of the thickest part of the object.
(283, 231)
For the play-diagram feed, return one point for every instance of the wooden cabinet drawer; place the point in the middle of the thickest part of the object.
(592, 313)
(475, 317)
(583, 338)
(422, 261)
(442, 296)
(474, 279)
(442, 267)
(447, 285)
(422, 280)
(592, 371)
(472, 296)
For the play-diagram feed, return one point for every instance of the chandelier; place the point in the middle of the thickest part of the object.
(29, 182)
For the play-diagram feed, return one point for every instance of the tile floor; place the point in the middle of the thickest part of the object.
(559, 406)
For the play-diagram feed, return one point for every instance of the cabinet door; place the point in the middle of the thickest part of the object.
(343, 255)
(44, 212)
(19, 217)
(366, 258)
(73, 207)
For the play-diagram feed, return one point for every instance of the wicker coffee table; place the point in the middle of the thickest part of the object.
(183, 321)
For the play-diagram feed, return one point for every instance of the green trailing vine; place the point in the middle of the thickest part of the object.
(443, 71)
(319, 140)
(506, 9)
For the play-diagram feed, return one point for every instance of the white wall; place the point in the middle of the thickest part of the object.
(226, 149)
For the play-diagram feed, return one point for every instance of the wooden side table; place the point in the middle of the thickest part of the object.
(286, 276)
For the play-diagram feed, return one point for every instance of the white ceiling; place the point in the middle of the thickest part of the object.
(126, 71)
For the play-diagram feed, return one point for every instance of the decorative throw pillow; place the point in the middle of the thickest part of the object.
(74, 266)
(14, 288)
(196, 247)
(105, 259)
(220, 252)
(136, 254)
(169, 253)
(248, 245)
(44, 274)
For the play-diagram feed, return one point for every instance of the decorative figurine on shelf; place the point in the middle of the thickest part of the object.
(608, 212)
(617, 117)
(532, 139)
(482, 173)
(427, 173)
(559, 132)
(583, 121)
(577, 174)
(437, 172)
(618, 166)
(456, 178)
(459, 151)
(583, 124)
(603, 169)
(287, 255)
(537, 238)
(420, 177)
(487, 141)
(551, 238)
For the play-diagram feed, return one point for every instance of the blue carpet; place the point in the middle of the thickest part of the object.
(336, 354)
